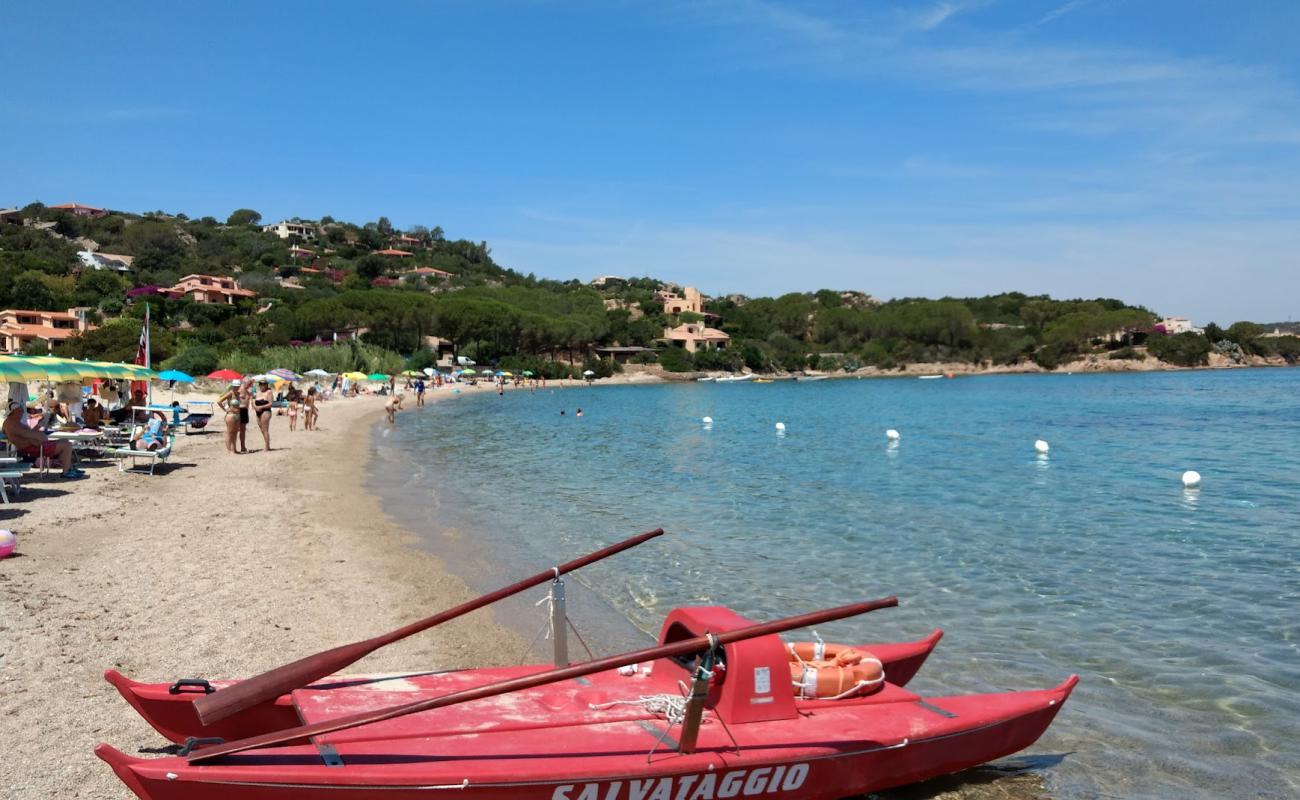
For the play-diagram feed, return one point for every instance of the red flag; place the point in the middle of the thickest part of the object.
(142, 355)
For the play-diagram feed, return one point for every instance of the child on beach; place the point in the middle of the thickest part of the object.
(295, 406)
(393, 405)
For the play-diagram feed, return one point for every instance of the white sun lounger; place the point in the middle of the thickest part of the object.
(9, 478)
(152, 456)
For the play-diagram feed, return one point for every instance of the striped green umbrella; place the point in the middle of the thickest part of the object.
(54, 369)
(16, 370)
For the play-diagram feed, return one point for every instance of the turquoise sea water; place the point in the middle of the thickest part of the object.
(1178, 608)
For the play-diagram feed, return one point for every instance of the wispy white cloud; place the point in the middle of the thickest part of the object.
(1077, 88)
(1061, 11)
(931, 18)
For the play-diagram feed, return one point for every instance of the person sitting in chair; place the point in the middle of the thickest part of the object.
(150, 435)
(34, 444)
(126, 413)
(92, 415)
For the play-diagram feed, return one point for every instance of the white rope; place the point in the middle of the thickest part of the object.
(550, 617)
(669, 706)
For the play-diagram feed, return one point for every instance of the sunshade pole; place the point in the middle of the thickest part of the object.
(682, 648)
(270, 685)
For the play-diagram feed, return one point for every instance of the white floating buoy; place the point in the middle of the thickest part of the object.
(891, 434)
(707, 420)
(1191, 478)
(780, 426)
(1041, 446)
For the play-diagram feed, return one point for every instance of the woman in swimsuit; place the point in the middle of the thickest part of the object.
(245, 403)
(262, 404)
(295, 405)
(231, 404)
(310, 411)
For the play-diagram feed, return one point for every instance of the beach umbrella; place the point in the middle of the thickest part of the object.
(588, 372)
(17, 370)
(58, 369)
(175, 375)
(412, 373)
(317, 373)
(225, 375)
(377, 376)
(355, 376)
(528, 373)
(285, 374)
(468, 371)
(107, 369)
(506, 374)
(429, 371)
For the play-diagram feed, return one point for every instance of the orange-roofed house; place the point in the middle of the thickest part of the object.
(693, 336)
(77, 209)
(211, 289)
(407, 241)
(40, 332)
(398, 253)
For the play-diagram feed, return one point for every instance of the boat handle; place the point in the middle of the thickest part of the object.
(195, 741)
(190, 683)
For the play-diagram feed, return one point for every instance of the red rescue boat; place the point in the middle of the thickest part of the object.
(591, 731)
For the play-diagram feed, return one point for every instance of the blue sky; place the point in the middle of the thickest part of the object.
(1145, 150)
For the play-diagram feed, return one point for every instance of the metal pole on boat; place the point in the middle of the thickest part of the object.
(699, 694)
(559, 623)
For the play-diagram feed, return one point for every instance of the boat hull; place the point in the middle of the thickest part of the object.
(172, 713)
(833, 750)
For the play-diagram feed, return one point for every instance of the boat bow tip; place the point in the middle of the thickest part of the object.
(1067, 686)
(122, 766)
(118, 679)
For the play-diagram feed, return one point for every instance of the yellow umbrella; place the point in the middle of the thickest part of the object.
(52, 369)
(17, 370)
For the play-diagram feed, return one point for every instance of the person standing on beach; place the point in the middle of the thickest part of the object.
(295, 406)
(229, 403)
(309, 410)
(419, 392)
(262, 404)
(245, 389)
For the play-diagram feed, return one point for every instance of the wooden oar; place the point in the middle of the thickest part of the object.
(685, 647)
(296, 674)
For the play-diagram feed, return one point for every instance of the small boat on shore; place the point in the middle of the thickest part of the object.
(595, 732)
(169, 707)
(721, 707)
(748, 376)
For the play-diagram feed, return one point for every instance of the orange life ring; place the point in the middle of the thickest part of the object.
(826, 671)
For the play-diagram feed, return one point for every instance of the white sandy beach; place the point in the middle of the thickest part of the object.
(218, 566)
